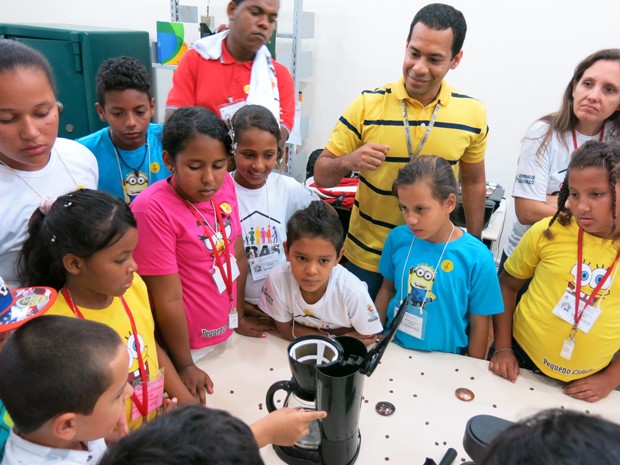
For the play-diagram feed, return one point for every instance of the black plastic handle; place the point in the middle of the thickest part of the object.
(288, 386)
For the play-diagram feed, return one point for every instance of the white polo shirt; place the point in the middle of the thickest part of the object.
(19, 451)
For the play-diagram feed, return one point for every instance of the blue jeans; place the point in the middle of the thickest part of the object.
(372, 279)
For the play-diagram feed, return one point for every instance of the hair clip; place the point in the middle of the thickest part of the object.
(45, 205)
(53, 239)
(68, 204)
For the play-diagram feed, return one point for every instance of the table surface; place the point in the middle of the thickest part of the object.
(428, 419)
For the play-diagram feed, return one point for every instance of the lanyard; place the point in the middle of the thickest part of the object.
(119, 159)
(600, 137)
(217, 215)
(579, 314)
(431, 123)
(142, 406)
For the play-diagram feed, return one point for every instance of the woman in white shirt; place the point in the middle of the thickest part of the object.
(590, 110)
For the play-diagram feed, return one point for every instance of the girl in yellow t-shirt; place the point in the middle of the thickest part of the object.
(567, 323)
(82, 244)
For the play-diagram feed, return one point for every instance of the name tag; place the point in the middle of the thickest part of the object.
(217, 273)
(260, 266)
(227, 111)
(414, 322)
(565, 309)
(155, 397)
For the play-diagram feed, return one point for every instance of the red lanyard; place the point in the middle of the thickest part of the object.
(141, 406)
(600, 137)
(579, 314)
(226, 273)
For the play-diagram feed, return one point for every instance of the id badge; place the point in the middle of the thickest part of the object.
(217, 274)
(565, 309)
(155, 396)
(234, 267)
(260, 266)
(218, 278)
(228, 110)
(233, 319)
(567, 348)
(414, 322)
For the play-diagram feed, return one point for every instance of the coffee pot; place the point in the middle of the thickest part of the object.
(328, 374)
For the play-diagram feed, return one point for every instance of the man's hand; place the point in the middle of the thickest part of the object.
(368, 157)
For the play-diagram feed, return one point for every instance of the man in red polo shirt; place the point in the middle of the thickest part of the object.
(224, 71)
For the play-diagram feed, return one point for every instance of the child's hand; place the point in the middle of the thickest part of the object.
(170, 404)
(591, 388)
(253, 310)
(255, 327)
(197, 382)
(504, 364)
(285, 426)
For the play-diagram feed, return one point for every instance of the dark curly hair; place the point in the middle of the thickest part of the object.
(122, 73)
(188, 122)
(557, 437)
(440, 16)
(592, 154)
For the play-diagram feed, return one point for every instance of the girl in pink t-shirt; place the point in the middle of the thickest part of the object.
(190, 251)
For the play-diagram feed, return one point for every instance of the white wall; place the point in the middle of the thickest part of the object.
(518, 56)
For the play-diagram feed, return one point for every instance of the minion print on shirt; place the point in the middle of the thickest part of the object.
(134, 183)
(421, 280)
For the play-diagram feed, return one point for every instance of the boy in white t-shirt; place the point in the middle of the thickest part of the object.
(64, 385)
(311, 293)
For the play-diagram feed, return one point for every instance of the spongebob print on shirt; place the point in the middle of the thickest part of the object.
(591, 277)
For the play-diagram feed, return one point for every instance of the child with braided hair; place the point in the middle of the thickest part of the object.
(567, 324)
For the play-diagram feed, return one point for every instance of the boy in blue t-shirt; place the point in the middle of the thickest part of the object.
(128, 152)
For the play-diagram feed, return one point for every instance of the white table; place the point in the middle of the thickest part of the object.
(428, 418)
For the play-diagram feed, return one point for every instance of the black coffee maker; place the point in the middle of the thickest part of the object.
(328, 374)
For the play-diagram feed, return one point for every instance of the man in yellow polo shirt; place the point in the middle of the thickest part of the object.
(420, 114)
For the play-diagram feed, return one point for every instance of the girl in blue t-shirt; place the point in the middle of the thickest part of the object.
(447, 276)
